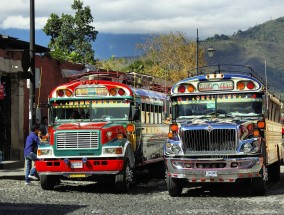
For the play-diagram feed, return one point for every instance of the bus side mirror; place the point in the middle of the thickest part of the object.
(264, 107)
(135, 113)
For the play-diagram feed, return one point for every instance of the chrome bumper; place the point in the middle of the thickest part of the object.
(225, 170)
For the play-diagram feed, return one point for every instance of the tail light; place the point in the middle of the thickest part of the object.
(60, 93)
(174, 127)
(121, 92)
(173, 130)
(190, 88)
(250, 85)
(181, 89)
(68, 93)
(261, 124)
(130, 128)
(240, 85)
(112, 92)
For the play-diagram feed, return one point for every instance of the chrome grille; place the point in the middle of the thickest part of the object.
(77, 140)
(215, 140)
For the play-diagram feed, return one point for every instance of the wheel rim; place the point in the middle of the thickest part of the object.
(128, 175)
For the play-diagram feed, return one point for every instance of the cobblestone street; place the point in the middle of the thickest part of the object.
(147, 196)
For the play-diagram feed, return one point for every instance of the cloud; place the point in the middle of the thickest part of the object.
(149, 16)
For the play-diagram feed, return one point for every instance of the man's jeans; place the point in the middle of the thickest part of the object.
(29, 170)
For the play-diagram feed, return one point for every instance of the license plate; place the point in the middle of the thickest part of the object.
(77, 176)
(76, 164)
(211, 173)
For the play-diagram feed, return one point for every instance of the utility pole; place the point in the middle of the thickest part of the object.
(32, 65)
(197, 47)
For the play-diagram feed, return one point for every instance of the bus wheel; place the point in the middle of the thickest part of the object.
(258, 186)
(174, 186)
(48, 182)
(274, 172)
(124, 179)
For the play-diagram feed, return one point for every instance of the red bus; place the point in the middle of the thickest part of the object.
(102, 127)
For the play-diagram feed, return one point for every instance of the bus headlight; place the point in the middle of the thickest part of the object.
(247, 147)
(172, 148)
(256, 146)
(251, 146)
(176, 148)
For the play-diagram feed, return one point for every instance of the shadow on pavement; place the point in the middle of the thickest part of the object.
(36, 209)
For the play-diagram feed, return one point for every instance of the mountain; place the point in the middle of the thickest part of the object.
(118, 45)
(260, 47)
(105, 46)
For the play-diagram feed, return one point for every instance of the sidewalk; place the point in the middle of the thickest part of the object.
(12, 170)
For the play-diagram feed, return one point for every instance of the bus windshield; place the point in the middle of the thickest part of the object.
(91, 110)
(223, 105)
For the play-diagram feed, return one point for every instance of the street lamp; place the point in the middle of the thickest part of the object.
(210, 51)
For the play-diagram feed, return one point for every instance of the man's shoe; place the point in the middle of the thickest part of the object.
(33, 177)
(28, 183)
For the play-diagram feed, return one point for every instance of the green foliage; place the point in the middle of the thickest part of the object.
(71, 36)
(136, 66)
(114, 64)
(167, 56)
(170, 56)
(218, 37)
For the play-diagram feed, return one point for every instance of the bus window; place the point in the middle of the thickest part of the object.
(75, 115)
(192, 106)
(151, 111)
(148, 108)
(143, 113)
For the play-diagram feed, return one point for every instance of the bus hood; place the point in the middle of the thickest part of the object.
(82, 125)
(215, 122)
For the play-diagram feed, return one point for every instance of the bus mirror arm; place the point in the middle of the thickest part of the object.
(266, 113)
(135, 113)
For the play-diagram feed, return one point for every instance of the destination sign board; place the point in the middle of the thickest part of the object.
(91, 91)
(217, 85)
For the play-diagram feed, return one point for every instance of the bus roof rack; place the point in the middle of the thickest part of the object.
(134, 79)
(228, 68)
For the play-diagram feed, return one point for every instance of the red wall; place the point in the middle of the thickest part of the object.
(51, 78)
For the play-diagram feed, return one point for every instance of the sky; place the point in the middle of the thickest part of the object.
(150, 16)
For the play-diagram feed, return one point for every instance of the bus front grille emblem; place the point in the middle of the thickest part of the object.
(209, 128)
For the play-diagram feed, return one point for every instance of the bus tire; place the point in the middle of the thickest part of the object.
(48, 182)
(124, 178)
(274, 171)
(174, 186)
(258, 186)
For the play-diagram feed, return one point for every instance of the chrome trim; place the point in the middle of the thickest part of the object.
(209, 140)
(86, 173)
(77, 140)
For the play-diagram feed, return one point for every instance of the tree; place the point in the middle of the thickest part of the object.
(71, 36)
(170, 56)
(113, 63)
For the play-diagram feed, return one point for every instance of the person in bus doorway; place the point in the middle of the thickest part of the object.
(32, 143)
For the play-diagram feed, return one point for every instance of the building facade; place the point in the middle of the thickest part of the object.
(14, 93)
